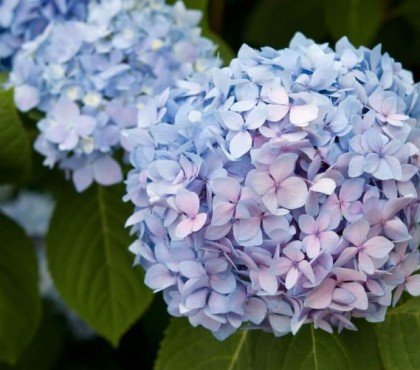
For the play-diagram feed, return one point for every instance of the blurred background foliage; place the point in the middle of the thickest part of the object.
(393, 23)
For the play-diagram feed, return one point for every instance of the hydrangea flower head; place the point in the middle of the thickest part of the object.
(31, 210)
(90, 85)
(23, 20)
(281, 190)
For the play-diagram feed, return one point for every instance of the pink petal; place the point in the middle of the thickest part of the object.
(184, 228)
(256, 117)
(301, 115)
(275, 92)
(292, 193)
(227, 187)
(396, 230)
(306, 269)
(357, 232)
(260, 181)
(26, 97)
(283, 167)
(255, 310)
(324, 185)
(199, 221)
(365, 263)
(395, 205)
(329, 241)
(346, 255)
(158, 277)
(83, 178)
(187, 202)
(246, 229)
(378, 247)
(413, 285)
(312, 246)
(361, 301)
(291, 278)
(276, 112)
(197, 299)
(307, 224)
(268, 281)
(107, 171)
(191, 269)
(281, 266)
(240, 144)
(222, 213)
(321, 296)
(85, 125)
(352, 190)
(232, 120)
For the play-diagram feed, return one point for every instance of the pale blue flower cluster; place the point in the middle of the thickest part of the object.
(90, 85)
(281, 190)
(23, 20)
(32, 211)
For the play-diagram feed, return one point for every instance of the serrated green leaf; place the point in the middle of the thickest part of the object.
(15, 149)
(273, 22)
(185, 347)
(90, 263)
(20, 305)
(359, 20)
(399, 337)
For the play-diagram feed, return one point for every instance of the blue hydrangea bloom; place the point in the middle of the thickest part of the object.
(32, 211)
(281, 190)
(91, 85)
(23, 20)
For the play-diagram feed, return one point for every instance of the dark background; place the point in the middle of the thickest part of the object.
(394, 24)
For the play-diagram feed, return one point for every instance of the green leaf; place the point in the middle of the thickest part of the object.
(15, 149)
(185, 347)
(359, 20)
(273, 22)
(90, 263)
(399, 337)
(20, 306)
(47, 344)
(410, 10)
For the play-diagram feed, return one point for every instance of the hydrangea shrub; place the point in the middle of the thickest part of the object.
(280, 190)
(90, 85)
(23, 20)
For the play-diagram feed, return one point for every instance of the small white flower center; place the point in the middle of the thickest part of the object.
(156, 44)
(87, 145)
(194, 116)
(128, 34)
(92, 99)
(73, 93)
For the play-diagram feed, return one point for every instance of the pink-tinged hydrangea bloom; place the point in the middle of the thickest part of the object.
(281, 190)
(91, 85)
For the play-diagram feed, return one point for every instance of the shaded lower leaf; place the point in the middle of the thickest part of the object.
(20, 306)
(90, 263)
(185, 347)
(399, 337)
(47, 344)
(15, 149)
